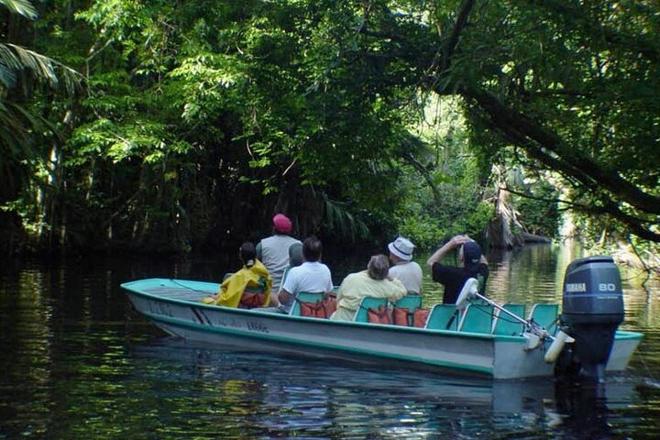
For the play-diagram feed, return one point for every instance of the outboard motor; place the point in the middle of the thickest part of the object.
(592, 311)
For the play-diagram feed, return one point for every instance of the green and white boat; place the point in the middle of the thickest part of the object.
(482, 339)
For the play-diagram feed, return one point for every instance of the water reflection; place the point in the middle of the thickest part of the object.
(258, 394)
(586, 410)
(78, 362)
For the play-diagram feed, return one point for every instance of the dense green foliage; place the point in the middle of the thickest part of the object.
(539, 214)
(201, 118)
(573, 86)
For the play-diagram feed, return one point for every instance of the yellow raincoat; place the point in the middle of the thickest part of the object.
(253, 278)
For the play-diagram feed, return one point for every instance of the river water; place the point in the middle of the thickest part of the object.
(76, 362)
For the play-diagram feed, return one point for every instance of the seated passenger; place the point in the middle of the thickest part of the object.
(453, 278)
(373, 282)
(247, 288)
(310, 276)
(295, 260)
(403, 268)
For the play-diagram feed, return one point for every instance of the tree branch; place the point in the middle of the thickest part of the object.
(634, 223)
(537, 140)
(425, 174)
(545, 199)
(459, 25)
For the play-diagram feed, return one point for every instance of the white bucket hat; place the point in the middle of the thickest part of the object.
(402, 248)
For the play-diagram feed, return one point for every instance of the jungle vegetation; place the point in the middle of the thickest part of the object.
(168, 125)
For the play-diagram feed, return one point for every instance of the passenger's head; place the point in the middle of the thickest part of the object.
(312, 248)
(378, 267)
(282, 224)
(470, 255)
(247, 253)
(295, 254)
(401, 249)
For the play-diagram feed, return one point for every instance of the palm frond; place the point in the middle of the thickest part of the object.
(13, 134)
(18, 67)
(16, 59)
(22, 7)
(7, 75)
(9, 65)
(340, 220)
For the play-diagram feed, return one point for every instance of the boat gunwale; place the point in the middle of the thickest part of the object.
(281, 316)
(620, 334)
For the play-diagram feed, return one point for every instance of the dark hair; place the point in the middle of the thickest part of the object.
(247, 253)
(295, 254)
(312, 248)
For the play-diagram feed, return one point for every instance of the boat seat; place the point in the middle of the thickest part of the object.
(310, 297)
(477, 318)
(503, 324)
(545, 315)
(367, 303)
(403, 310)
(410, 302)
(443, 317)
(254, 296)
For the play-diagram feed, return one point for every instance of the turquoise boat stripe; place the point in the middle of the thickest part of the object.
(134, 289)
(625, 334)
(207, 329)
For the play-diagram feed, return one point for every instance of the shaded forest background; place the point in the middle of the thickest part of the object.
(179, 126)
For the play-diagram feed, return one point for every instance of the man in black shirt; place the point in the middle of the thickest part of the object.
(453, 278)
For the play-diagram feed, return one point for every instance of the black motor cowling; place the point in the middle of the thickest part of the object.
(592, 311)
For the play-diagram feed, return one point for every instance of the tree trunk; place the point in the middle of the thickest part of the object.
(499, 233)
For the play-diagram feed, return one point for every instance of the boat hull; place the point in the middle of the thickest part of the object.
(173, 305)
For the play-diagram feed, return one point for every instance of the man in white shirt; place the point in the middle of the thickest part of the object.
(403, 268)
(310, 276)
